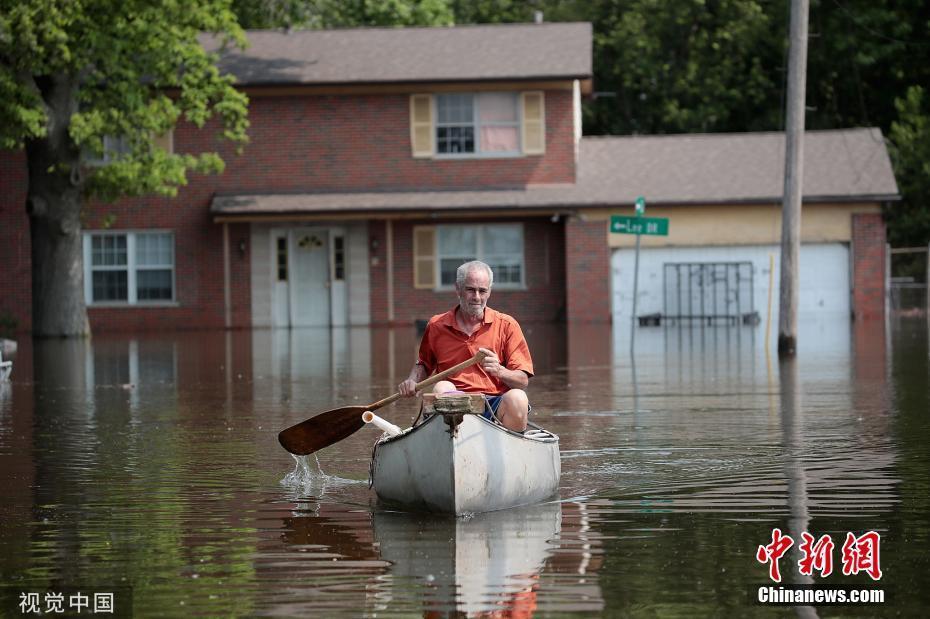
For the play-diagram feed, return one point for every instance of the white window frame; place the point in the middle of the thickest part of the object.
(131, 268)
(476, 124)
(479, 250)
(114, 147)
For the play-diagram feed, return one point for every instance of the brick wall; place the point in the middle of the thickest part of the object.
(362, 143)
(542, 301)
(868, 276)
(587, 266)
(297, 144)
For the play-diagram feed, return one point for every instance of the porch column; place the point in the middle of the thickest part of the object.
(587, 271)
(868, 259)
(227, 294)
(389, 265)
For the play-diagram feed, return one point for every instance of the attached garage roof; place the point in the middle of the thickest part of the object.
(840, 165)
(404, 55)
(744, 168)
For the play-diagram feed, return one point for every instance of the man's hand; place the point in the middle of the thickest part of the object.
(408, 388)
(491, 364)
(514, 379)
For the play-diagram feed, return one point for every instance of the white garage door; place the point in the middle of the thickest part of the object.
(824, 281)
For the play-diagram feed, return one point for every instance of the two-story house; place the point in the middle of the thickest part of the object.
(380, 159)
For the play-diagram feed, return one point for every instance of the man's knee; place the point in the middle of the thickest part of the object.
(517, 399)
(517, 404)
(514, 410)
(443, 386)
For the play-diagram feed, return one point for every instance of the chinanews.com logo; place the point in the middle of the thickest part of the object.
(858, 554)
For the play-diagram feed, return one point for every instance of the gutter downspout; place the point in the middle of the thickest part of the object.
(389, 266)
(227, 295)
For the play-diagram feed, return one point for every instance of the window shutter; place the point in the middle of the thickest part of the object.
(534, 123)
(424, 257)
(421, 125)
(164, 141)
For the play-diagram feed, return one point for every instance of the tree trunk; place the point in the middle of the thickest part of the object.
(53, 202)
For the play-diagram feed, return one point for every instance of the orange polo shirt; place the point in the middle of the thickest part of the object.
(444, 345)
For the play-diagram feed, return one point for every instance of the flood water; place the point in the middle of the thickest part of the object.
(148, 466)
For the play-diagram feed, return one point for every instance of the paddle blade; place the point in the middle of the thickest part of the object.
(322, 430)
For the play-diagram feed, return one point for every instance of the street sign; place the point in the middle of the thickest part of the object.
(651, 226)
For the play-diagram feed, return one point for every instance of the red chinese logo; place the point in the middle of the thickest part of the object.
(817, 556)
(773, 552)
(860, 554)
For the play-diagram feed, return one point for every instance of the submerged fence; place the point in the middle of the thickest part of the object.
(708, 293)
(908, 290)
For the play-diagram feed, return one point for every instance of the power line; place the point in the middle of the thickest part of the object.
(875, 33)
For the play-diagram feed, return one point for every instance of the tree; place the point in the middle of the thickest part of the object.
(75, 71)
(865, 59)
(910, 151)
(341, 13)
(684, 65)
(863, 55)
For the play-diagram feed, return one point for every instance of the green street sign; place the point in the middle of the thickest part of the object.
(651, 226)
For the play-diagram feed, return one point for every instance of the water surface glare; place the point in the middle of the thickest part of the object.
(149, 466)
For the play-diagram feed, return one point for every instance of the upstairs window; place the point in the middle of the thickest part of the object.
(117, 146)
(488, 124)
(481, 123)
(114, 147)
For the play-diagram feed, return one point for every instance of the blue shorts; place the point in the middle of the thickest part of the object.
(491, 404)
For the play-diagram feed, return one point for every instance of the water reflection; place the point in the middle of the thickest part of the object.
(481, 564)
(507, 563)
(795, 473)
(153, 461)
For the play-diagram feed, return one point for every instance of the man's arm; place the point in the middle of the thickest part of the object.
(417, 375)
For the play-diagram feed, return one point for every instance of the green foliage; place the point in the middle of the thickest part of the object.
(864, 60)
(910, 138)
(341, 13)
(129, 68)
(861, 56)
(675, 66)
(504, 11)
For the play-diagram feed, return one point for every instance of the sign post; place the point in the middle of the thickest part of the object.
(638, 225)
(640, 211)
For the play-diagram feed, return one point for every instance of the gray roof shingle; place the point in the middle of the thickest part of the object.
(849, 165)
(735, 167)
(405, 55)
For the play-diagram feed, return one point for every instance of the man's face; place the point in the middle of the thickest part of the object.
(474, 292)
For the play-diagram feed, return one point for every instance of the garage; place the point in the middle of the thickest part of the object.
(725, 284)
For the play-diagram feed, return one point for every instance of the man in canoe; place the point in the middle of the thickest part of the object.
(458, 334)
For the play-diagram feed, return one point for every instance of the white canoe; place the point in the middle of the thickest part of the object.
(463, 464)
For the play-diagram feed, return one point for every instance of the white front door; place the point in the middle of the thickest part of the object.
(310, 284)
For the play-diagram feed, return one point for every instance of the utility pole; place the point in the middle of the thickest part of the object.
(794, 176)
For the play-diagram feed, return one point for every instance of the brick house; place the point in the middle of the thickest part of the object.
(380, 159)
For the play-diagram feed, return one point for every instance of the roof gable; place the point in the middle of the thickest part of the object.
(392, 55)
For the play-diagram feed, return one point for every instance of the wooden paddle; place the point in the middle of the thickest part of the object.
(332, 426)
